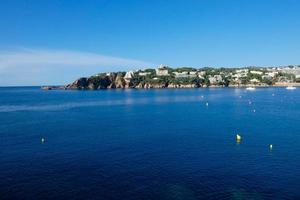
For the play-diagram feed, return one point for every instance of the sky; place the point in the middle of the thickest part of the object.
(53, 42)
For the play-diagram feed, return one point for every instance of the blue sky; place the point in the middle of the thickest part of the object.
(56, 41)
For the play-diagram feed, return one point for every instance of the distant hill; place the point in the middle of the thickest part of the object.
(187, 77)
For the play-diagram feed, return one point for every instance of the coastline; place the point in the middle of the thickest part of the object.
(185, 77)
(62, 87)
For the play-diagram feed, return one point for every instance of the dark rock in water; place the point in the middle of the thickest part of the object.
(46, 87)
(53, 87)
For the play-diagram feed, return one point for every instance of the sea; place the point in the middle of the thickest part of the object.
(137, 144)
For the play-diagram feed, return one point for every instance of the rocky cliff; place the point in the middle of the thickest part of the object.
(184, 78)
(117, 80)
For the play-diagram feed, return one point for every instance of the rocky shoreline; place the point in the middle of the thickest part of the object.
(78, 86)
(166, 77)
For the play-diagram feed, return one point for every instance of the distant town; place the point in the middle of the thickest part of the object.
(187, 77)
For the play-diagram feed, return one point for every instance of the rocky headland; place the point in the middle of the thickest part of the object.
(166, 77)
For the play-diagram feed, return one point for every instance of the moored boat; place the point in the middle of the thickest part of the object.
(290, 88)
(250, 88)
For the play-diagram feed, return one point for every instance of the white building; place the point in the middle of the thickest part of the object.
(144, 73)
(185, 74)
(162, 70)
(193, 74)
(181, 74)
(254, 81)
(294, 70)
(256, 72)
(240, 71)
(128, 75)
(271, 74)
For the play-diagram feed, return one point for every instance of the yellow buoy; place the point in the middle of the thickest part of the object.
(238, 137)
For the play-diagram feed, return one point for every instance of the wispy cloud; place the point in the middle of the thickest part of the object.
(42, 66)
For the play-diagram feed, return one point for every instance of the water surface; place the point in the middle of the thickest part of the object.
(149, 144)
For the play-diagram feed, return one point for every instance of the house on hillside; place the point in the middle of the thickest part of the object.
(239, 73)
(193, 74)
(185, 74)
(269, 75)
(256, 72)
(162, 70)
(181, 74)
(144, 73)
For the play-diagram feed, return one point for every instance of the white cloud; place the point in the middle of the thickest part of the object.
(43, 67)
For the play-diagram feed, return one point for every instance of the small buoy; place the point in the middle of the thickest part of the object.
(273, 94)
(250, 102)
(271, 146)
(43, 140)
(202, 96)
(240, 96)
(254, 110)
(206, 104)
(238, 137)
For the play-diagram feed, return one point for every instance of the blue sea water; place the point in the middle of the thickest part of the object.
(149, 144)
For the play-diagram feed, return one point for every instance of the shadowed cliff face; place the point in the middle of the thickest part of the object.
(81, 83)
(119, 80)
(102, 81)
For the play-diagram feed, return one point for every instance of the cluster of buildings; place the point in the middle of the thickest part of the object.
(252, 75)
(164, 70)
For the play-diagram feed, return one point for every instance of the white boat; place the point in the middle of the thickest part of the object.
(290, 88)
(250, 88)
